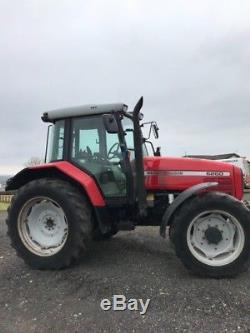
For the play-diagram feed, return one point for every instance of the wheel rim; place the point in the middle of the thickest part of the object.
(215, 238)
(43, 226)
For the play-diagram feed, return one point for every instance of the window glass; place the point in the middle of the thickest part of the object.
(98, 152)
(55, 142)
(113, 147)
(89, 138)
(128, 127)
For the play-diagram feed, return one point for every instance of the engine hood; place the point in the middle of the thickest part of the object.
(185, 164)
(179, 173)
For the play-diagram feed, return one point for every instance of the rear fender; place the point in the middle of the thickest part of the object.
(170, 211)
(68, 172)
(63, 170)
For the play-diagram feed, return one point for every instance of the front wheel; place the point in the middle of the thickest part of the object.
(211, 234)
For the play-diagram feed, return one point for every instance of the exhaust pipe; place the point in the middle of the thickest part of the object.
(139, 166)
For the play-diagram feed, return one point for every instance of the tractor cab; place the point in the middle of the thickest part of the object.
(92, 149)
(99, 140)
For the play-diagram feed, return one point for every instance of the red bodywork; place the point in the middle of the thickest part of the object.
(164, 173)
(178, 174)
(81, 177)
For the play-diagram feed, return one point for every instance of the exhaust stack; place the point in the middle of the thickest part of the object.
(139, 166)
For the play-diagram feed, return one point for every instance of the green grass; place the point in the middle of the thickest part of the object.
(3, 206)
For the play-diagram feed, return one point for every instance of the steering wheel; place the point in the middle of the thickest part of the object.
(113, 151)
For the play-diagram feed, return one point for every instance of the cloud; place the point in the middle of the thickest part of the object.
(190, 60)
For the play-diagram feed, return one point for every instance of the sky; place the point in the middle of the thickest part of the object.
(189, 59)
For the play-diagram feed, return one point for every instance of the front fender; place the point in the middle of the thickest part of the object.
(179, 201)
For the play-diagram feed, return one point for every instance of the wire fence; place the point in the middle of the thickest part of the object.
(6, 197)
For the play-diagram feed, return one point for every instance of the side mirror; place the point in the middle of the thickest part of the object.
(155, 130)
(110, 123)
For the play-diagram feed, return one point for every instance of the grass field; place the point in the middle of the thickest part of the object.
(3, 206)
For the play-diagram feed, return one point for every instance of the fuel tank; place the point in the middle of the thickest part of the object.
(178, 173)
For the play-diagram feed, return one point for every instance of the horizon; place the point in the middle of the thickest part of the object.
(190, 61)
(15, 169)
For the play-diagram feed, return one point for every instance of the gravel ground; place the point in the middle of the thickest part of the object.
(136, 264)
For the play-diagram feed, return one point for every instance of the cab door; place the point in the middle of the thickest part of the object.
(98, 152)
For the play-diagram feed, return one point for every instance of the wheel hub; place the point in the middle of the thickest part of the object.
(50, 223)
(213, 235)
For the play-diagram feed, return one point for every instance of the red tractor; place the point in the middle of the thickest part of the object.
(98, 178)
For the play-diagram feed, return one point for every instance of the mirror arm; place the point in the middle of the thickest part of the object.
(150, 129)
(151, 144)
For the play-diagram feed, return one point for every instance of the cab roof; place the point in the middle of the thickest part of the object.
(83, 110)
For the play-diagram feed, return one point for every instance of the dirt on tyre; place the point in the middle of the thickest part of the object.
(211, 235)
(49, 223)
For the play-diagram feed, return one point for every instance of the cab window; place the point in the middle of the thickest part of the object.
(98, 152)
(55, 141)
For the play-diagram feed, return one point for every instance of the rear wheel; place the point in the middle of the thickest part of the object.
(211, 234)
(49, 223)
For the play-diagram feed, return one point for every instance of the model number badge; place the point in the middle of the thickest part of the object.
(215, 173)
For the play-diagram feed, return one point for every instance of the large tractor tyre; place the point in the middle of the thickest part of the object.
(171, 233)
(97, 235)
(49, 223)
(211, 235)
